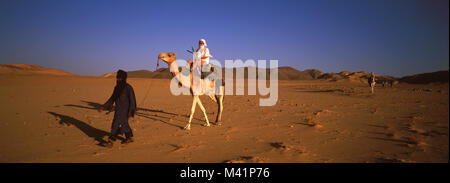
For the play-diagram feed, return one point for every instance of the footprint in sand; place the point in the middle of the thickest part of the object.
(312, 123)
(323, 111)
(246, 159)
(392, 135)
(286, 147)
(374, 111)
(231, 129)
(413, 129)
(391, 160)
(98, 154)
(179, 147)
(416, 140)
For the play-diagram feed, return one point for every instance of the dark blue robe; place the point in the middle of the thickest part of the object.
(125, 105)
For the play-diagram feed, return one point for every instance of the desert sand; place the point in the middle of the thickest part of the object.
(53, 118)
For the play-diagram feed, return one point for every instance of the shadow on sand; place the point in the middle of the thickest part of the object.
(90, 131)
(146, 113)
(402, 142)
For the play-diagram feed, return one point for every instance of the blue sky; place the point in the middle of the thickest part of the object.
(393, 37)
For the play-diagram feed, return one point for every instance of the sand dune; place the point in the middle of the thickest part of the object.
(27, 69)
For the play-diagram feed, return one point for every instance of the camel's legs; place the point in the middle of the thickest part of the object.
(203, 110)
(219, 109)
(213, 97)
(194, 104)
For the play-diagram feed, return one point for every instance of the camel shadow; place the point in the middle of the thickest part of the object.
(156, 111)
(152, 117)
(90, 131)
(169, 113)
(93, 106)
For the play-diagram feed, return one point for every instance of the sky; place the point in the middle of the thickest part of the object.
(94, 37)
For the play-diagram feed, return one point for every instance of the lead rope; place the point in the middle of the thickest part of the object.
(149, 86)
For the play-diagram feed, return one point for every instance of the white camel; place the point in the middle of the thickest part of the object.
(186, 80)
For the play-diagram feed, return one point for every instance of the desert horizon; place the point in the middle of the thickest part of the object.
(285, 73)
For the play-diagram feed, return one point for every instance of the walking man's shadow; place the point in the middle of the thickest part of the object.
(90, 131)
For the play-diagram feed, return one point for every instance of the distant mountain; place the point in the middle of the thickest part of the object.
(425, 78)
(162, 73)
(284, 73)
(289, 73)
(361, 77)
(30, 69)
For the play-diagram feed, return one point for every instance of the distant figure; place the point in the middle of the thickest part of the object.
(388, 83)
(384, 83)
(125, 100)
(371, 81)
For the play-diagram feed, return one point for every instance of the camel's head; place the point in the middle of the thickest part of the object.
(168, 57)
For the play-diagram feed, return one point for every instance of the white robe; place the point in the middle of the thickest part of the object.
(204, 52)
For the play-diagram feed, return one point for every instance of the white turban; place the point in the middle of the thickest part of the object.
(203, 40)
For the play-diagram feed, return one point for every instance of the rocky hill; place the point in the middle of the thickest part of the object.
(425, 78)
